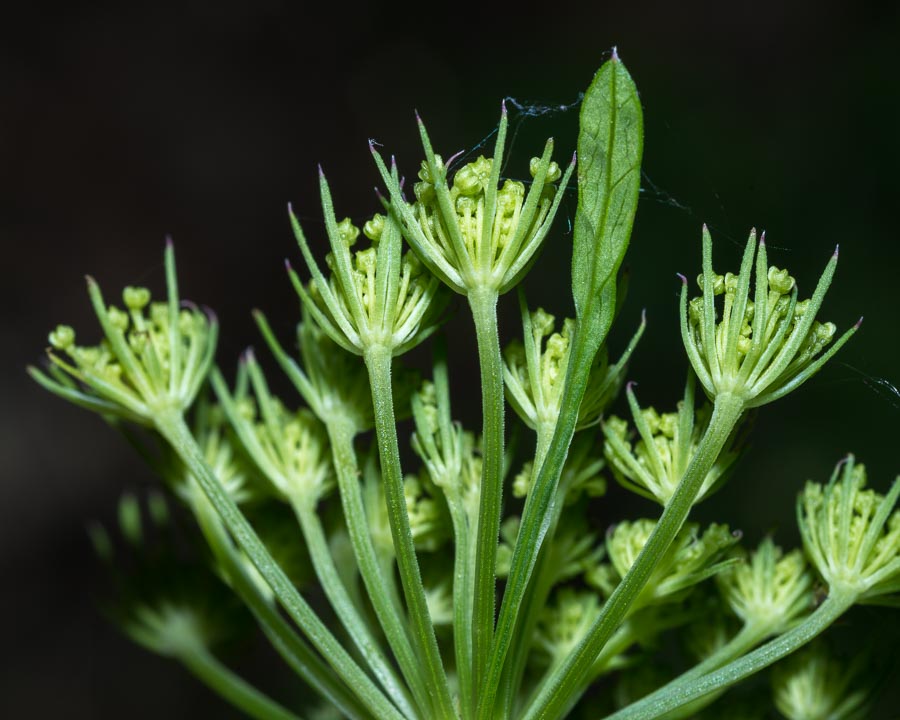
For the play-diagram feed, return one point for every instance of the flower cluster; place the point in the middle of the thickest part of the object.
(852, 534)
(379, 296)
(474, 233)
(535, 373)
(655, 464)
(757, 349)
(154, 356)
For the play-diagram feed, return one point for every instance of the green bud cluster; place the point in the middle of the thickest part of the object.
(852, 534)
(692, 558)
(153, 358)
(654, 465)
(769, 589)
(290, 449)
(535, 373)
(376, 297)
(814, 685)
(474, 232)
(762, 348)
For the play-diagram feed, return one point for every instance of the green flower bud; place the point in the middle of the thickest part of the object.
(427, 516)
(136, 298)
(451, 455)
(851, 534)
(553, 171)
(62, 338)
(509, 531)
(758, 352)
(374, 227)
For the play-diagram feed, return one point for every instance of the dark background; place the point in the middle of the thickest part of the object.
(121, 123)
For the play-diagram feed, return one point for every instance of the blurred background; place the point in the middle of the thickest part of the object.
(124, 122)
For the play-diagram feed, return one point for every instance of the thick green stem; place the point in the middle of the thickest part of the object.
(484, 313)
(534, 600)
(684, 691)
(536, 519)
(343, 606)
(340, 435)
(378, 362)
(569, 677)
(232, 687)
(172, 427)
(292, 648)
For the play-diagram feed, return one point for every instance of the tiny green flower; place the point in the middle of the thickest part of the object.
(760, 349)
(692, 558)
(770, 589)
(813, 685)
(535, 373)
(153, 359)
(290, 449)
(851, 534)
(474, 233)
(376, 297)
(655, 464)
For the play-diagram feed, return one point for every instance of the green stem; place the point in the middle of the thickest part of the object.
(232, 687)
(340, 435)
(344, 608)
(683, 691)
(463, 565)
(534, 600)
(535, 522)
(484, 314)
(292, 648)
(378, 361)
(172, 427)
(569, 677)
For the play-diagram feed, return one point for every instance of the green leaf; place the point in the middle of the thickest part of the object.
(610, 144)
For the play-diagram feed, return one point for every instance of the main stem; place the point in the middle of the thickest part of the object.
(378, 362)
(172, 427)
(683, 691)
(484, 313)
(568, 678)
(536, 518)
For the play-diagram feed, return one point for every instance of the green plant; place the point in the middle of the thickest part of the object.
(574, 607)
